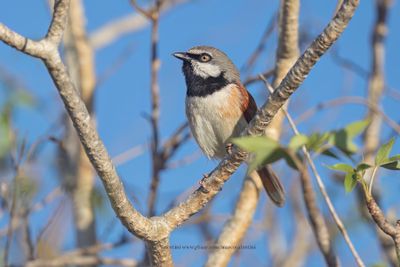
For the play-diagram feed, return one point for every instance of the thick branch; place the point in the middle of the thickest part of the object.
(160, 252)
(21, 43)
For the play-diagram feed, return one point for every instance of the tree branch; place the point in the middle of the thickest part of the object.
(58, 22)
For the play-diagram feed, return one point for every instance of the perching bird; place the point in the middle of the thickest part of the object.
(219, 107)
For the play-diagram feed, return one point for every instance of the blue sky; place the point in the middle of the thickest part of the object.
(236, 28)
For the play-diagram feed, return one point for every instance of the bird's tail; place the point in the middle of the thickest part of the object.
(272, 185)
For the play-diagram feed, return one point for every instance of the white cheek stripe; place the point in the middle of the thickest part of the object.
(206, 70)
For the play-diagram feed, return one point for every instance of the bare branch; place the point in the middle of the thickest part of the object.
(58, 22)
(21, 43)
(160, 252)
(153, 15)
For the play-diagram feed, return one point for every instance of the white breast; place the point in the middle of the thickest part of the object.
(214, 119)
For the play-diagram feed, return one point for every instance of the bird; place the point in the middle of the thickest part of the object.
(219, 108)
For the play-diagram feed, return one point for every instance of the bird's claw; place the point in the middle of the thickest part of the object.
(228, 148)
(202, 183)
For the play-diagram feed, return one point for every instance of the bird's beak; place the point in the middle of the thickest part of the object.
(182, 55)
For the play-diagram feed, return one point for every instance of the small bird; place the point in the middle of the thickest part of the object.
(219, 107)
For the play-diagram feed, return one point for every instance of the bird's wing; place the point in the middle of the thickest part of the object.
(249, 106)
(271, 182)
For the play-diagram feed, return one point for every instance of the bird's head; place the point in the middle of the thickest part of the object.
(206, 62)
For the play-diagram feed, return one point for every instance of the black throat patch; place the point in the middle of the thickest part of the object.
(199, 86)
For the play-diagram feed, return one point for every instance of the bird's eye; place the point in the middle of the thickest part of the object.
(205, 57)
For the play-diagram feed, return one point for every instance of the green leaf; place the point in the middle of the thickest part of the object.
(263, 150)
(23, 98)
(344, 143)
(297, 141)
(355, 128)
(350, 181)
(383, 153)
(316, 140)
(260, 159)
(363, 166)
(256, 143)
(342, 167)
(290, 161)
(330, 153)
(343, 138)
(392, 163)
(5, 137)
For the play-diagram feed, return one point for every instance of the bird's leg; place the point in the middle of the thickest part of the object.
(228, 148)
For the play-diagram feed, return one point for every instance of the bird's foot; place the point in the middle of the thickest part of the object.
(202, 184)
(228, 148)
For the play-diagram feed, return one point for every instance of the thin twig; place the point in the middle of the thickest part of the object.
(388, 228)
(153, 16)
